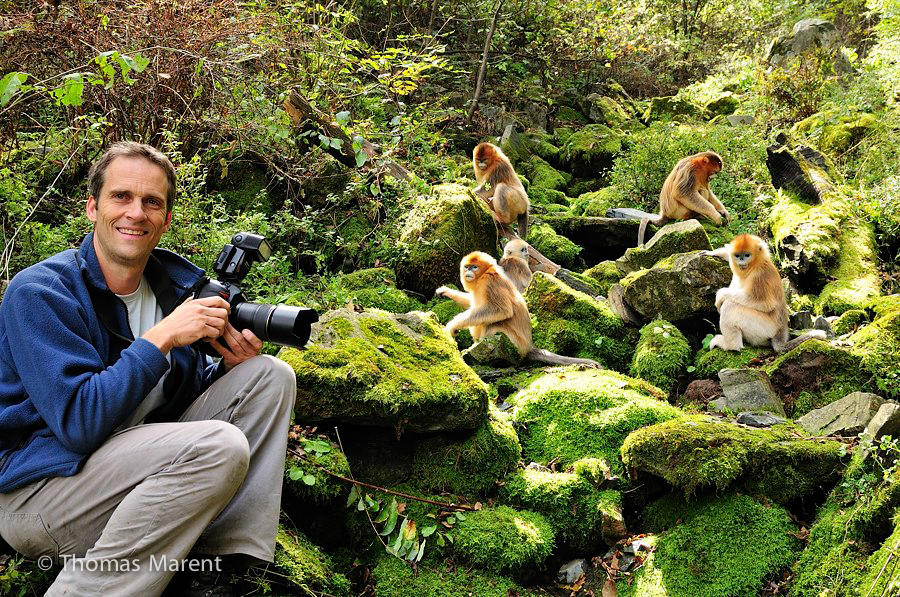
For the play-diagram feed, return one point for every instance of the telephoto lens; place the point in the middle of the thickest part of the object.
(281, 324)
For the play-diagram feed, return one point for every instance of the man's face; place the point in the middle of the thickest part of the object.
(130, 215)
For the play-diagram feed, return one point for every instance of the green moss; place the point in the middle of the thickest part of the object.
(723, 547)
(450, 216)
(816, 228)
(833, 132)
(597, 202)
(470, 465)
(571, 414)
(445, 310)
(324, 488)
(856, 276)
(547, 197)
(882, 574)
(502, 540)
(573, 323)
(853, 522)
(401, 369)
(302, 566)
(571, 115)
(553, 246)
(545, 176)
(703, 452)
(724, 103)
(849, 321)
(678, 237)
(826, 373)
(396, 578)
(389, 299)
(709, 362)
(670, 108)
(591, 149)
(372, 277)
(878, 346)
(580, 514)
(605, 274)
(661, 356)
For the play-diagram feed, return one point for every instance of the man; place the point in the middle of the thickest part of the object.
(121, 449)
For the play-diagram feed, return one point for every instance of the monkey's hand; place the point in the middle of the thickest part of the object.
(721, 296)
(716, 341)
(725, 215)
(442, 291)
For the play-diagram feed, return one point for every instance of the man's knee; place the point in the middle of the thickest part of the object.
(227, 449)
(276, 377)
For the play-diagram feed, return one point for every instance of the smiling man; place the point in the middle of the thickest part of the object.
(120, 444)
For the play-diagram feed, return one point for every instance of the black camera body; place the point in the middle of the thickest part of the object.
(281, 324)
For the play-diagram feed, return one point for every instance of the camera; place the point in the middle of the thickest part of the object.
(281, 324)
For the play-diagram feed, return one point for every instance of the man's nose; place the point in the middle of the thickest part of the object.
(135, 209)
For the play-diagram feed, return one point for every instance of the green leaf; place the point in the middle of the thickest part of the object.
(460, 516)
(360, 159)
(70, 92)
(451, 519)
(352, 497)
(382, 515)
(373, 188)
(361, 505)
(707, 340)
(342, 117)
(691, 368)
(440, 540)
(427, 531)
(317, 445)
(413, 551)
(392, 518)
(295, 473)
(10, 84)
(421, 551)
(335, 143)
(309, 479)
(399, 541)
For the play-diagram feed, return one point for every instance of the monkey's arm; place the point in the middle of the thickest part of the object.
(722, 252)
(740, 297)
(718, 205)
(696, 203)
(484, 315)
(463, 299)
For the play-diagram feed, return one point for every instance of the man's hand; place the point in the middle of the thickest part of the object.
(241, 345)
(192, 320)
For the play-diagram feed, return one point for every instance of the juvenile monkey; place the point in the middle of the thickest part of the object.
(506, 197)
(515, 263)
(753, 309)
(494, 305)
(686, 194)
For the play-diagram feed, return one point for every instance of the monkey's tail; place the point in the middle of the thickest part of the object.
(642, 230)
(523, 226)
(545, 356)
(792, 344)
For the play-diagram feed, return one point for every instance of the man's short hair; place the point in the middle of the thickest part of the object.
(131, 149)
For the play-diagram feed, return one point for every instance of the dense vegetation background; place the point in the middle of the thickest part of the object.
(602, 99)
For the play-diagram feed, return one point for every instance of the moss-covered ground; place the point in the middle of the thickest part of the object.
(661, 356)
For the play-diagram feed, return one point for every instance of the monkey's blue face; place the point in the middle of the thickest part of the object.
(742, 259)
(470, 272)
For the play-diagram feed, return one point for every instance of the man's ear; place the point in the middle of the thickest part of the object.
(91, 208)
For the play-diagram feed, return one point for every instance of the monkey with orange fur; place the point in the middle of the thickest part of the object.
(515, 263)
(494, 305)
(753, 309)
(686, 194)
(507, 197)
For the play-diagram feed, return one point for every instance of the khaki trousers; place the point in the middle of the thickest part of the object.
(208, 484)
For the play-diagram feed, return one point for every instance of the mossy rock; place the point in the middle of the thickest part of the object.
(442, 228)
(856, 276)
(606, 110)
(816, 374)
(305, 479)
(389, 299)
(714, 547)
(582, 516)
(553, 246)
(372, 277)
(661, 356)
(591, 149)
(677, 288)
(376, 368)
(723, 104)
(605, 274)
(702, 452)
(543, 175)
(849, 321)
(496, 350)
(833, 132)
(244, 187)
(502, 540)
(572, 323)
(445, 310)
(671, 108)
(852, 537)
(572, 414)
(570, 115)
(679, 237)
(596, 203)
(547, 197)
(470, 464)
(395, 578)
(708, 363)
(580, 186)
(878, 346)
(302, 566)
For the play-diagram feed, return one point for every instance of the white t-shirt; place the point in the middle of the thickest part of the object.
(143, 314)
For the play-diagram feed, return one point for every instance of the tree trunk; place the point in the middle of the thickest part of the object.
(484, 58)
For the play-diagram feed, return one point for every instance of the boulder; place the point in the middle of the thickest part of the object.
(747, 390)
(444, 226)
(606, 110)
(553, 246)
(758, 419)
(790, 170)
(377, 368)
(835, 132)
(671, 108)
(740, 119)
(590, 150)
(570, 572)
(605, 274)
(300, 563)
(723, 104)
(628, 213)
(493, 351)
(709, 362)
(679, 287)
(807, 35)
(679, 237)
(572, 323)
(599, 238)
(885, 422)
(542, 175)
(375, 288)
(597, 203)
(847, 416)
(661, 356)
(878, 347)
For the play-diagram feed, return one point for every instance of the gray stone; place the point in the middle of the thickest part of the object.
(747, 390)
(572, 571)
(885, 422)
(822, 323)
(739, 119)
(808, 34)
(620, 307)
(628, 213)
(679, 237)
(678, 288)
(759, 419)
(493, 351)
(847, 416)
(801, 320)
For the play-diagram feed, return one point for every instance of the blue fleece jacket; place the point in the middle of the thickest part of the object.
(68, 378)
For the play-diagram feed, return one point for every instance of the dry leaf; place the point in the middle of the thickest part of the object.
(609, 589)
